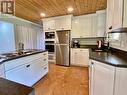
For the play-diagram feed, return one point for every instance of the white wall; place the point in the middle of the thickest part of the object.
(7, 41)
(29, 33)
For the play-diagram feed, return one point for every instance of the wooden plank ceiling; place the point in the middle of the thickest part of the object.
(31, 9)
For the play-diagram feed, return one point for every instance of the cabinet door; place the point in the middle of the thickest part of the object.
(101, 23)
(125, 14)
(110, 14)
(121, 81)
(27, 74)
(48, 24)
(103, 79)
(85, 25)
(63, 22)
(75, 33)
(94, 26)
(80, 57)
(2, 70)
(118, 14)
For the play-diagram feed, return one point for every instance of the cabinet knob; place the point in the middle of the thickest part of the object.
(27, 66)
(92, 63)
(45, 68)
(110, 27)
(44, 59)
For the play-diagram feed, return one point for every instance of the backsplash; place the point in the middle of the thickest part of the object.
(120, 42)
(87, 41)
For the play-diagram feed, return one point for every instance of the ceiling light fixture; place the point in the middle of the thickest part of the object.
(70, 9)
(43, 14)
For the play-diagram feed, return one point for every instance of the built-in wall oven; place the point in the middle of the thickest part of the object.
(50, 46)
(49, 35)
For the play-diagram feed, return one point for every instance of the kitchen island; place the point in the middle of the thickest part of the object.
(25, 67)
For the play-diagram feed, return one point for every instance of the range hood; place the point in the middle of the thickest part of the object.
(119, 30)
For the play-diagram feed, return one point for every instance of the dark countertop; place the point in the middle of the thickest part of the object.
(20, 54)
(11, 88)
(113, 57)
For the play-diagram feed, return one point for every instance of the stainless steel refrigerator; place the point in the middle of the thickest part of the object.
(63, 48)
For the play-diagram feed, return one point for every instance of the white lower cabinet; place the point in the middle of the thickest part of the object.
(30, 72)
(79, 57)
(121, 81)
(2, 74)
(101, 78)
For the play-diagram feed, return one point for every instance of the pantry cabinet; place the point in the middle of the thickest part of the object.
(114, 14)
(63, 22)
(101, 78)
(79, 57)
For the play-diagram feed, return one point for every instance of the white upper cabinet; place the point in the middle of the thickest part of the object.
(114, 14)
(118, 14)
(81, 26)
(110, 11)
(57, 23)
(125, 14)
(48, 24)
(63, 22)
(92, 25)
(101, 23)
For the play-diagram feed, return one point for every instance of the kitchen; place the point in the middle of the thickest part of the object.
(63, 47)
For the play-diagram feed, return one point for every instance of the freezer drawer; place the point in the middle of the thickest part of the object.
(63, 55)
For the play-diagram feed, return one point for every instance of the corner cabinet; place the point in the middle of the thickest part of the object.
(79, 57)
(101, 78)
(63, 22)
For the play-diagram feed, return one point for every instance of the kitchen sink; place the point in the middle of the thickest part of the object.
(17, 53)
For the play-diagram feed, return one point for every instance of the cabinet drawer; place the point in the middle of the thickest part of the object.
(21, 61)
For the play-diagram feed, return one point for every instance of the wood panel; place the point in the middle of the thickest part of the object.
(64, 81)
(31, 9)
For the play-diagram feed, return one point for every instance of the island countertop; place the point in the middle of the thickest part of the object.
(11, 88)
(18, 54)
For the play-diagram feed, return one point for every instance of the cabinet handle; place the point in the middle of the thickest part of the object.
(44, 60)
(92, 63)
(110, 27)
(45, 68)
(44, 54)
(27, 66)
